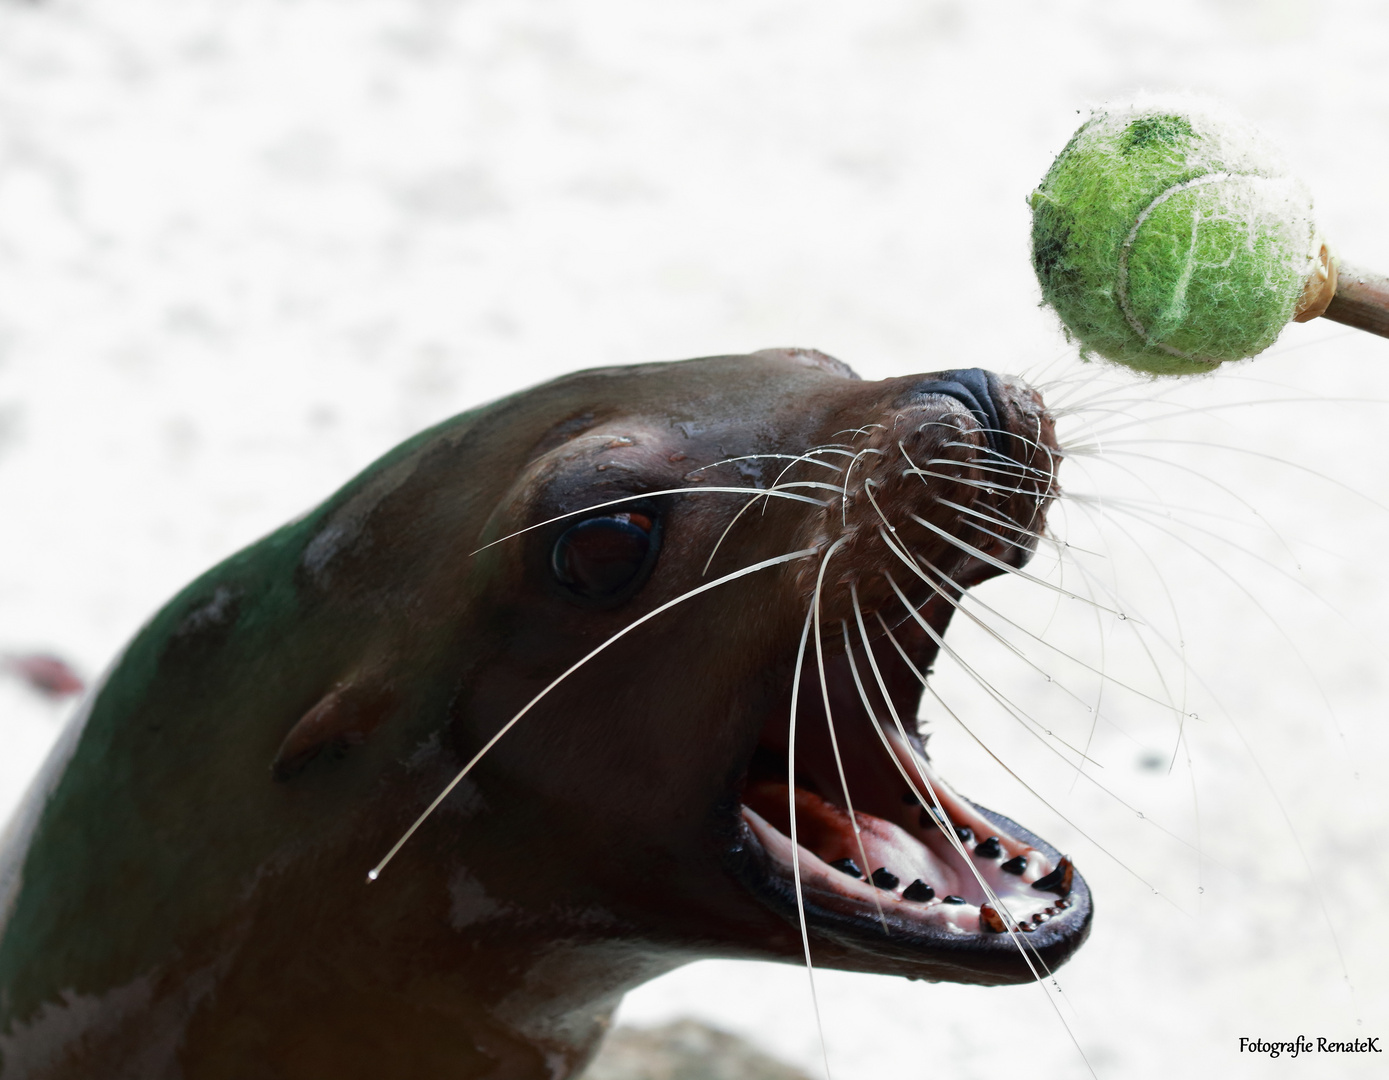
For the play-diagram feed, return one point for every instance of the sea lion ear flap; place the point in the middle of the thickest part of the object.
(342, 719)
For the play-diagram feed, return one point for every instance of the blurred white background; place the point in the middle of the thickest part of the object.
(246, 247)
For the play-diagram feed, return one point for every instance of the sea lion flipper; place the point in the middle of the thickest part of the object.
(341, 719)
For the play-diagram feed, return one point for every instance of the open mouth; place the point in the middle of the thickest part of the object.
(927, 877)
(854, 832)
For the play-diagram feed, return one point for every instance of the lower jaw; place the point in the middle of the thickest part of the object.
(934, 941)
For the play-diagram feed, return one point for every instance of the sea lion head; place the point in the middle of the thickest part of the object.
(618, 583)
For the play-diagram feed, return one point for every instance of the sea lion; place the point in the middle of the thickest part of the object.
(642, 591)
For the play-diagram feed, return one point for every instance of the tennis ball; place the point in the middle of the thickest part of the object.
(1170, 238)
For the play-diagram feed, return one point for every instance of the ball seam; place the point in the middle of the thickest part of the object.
(1122, 277)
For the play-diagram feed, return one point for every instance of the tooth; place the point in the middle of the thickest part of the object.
(1015, 865)
(952, 899)
(989, 849)
(1039, 918)
(919, 892)
(965, 833)
(990, 920)
(1059, 880)
(884, 878)
(847, 866)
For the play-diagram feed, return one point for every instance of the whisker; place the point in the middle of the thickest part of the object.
(652, 495)
(826, 448)
(1152, 519)
(908, 558)
(375, 872)
(1009, 706)
(1038, 503)
(1011, 772)
(1107, 392)
(795, 840)
(848, 471)
(984, 556)
(1003, 520)
(829, 721)
(1274, 458)
(1002, 699)
(1128, 615)
(778, 485)
(998, 463)
(1027, 722)
(984, 485)
(998, 456)
(1183, 409)
(1040, 639)
(860, 430)
(1183, 667)
(927, 790)
(1096, 709)
(793, 458)
(757, 496)
(1224, 489)
(1272, 620)
(1045, 385)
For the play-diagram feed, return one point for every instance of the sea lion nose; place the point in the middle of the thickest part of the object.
(976, 389)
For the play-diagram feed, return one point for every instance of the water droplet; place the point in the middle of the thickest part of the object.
(372, 875)
(1048, 678)
(1140, 813)
(1123, 617)
(1200, 888)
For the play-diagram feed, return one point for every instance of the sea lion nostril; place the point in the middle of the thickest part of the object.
(975, 389)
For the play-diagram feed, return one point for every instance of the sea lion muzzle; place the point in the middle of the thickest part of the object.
(616, 584)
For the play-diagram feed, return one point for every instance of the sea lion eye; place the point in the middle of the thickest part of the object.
(601, 558)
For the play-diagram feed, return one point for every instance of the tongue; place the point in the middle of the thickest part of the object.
(828, 832)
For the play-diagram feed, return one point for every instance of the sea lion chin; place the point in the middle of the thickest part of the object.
(641, 591)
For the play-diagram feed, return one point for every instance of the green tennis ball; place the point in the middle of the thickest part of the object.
(1171, 239)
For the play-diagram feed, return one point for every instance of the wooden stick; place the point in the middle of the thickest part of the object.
(1361, 300)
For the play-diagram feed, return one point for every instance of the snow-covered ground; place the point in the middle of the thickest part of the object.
(245, 247)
